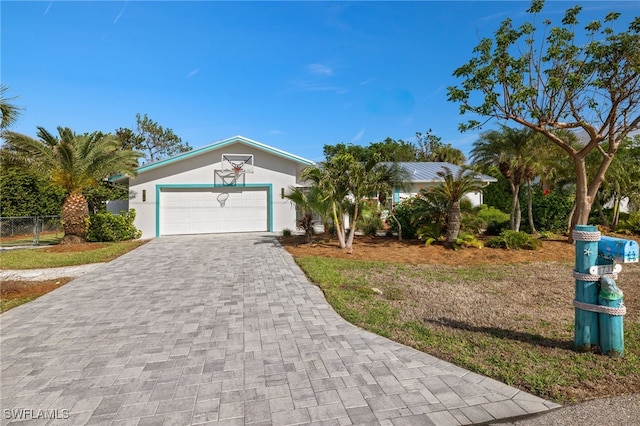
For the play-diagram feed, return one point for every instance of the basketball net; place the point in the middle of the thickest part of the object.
(222, 198)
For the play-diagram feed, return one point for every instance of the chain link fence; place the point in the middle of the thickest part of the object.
(30, 230)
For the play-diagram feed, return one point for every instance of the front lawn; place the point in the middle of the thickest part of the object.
(65, 255)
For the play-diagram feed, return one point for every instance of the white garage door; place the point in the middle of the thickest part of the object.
(200, 211)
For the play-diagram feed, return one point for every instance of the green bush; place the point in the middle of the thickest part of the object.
(404, 211)
(286, 232)
(630, 225)
(466, 239)
(551, 210)
(369, 221)
(106, 227)
(509, 239)
(494, 220)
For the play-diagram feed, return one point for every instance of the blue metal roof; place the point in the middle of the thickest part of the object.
(428, 172)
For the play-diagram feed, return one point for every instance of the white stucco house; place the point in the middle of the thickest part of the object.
(233, 185)
(425, 175)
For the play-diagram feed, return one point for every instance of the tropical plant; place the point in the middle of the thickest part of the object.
(74, 162)
(514, 240)
(451, 191)
(345, 183)
(548, 78)
(510, 151)
(310, 200)
(9, 112)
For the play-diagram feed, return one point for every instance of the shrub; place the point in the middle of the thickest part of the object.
(509, 239)
(106, 227)
(286, 232)
(551, 210)
(306, 224)
(369, 221)
(495, 220)
(404, 211)
(630, 225)
(466, 239)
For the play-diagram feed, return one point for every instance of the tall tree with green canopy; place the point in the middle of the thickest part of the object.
(547, 78)
(152, 140)
(74, 162)
(9, 112)
(431, 148)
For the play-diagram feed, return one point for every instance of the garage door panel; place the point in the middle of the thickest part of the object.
(197, 211)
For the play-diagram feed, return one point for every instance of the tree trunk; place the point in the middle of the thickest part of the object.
(339, 224)
(453, 225)
(514, 219)
(584, 200)
(75, 219)
(518, 215)
(616, 210)
(352, 230)
(530, 208)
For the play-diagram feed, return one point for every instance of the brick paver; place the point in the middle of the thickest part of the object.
(222, 328)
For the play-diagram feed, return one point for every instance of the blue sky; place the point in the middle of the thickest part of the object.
(293, 75)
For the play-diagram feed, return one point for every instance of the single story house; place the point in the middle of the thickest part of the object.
(423, 175)
(233, 185)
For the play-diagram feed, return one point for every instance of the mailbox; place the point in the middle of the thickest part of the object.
(618, 250)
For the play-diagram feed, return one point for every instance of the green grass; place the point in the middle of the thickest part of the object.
(40, 258)
(534, 359)
(5, 305)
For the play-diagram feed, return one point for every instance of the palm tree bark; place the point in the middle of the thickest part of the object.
(453, 224)
(75, 218)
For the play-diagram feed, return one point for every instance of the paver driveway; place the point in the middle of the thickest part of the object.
(197, 329)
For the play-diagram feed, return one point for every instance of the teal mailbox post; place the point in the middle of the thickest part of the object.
(599, 305)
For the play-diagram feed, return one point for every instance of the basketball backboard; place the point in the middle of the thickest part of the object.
(237, 163)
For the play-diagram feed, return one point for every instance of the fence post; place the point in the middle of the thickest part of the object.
(36, 236)
(586, 333)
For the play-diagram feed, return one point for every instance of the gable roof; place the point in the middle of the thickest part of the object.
(221, 144)
(428, 171)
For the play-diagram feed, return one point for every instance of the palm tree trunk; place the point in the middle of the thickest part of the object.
(339, 224)
(352, 231)
(518, 218)
(514, 220)
(75, 219)
(530, 208)
(453, 224)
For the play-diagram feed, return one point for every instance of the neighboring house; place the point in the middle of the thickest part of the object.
(199, 192)
(425, 175)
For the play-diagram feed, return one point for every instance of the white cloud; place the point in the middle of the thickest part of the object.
(358, 136)
(193, 72)
(319, 69)
(121, 12)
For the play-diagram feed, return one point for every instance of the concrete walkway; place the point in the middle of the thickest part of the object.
(222, 328)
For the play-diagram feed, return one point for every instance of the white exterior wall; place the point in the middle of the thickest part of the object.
(270, 170)
(475, 197)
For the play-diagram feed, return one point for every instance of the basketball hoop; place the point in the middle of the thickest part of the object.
(237, 168)
(222, 198)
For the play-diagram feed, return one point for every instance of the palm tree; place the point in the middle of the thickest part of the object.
(451, 191)
(510, 150)
(74, 162)
(309, 200)
(345, 182)
(8, 111)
